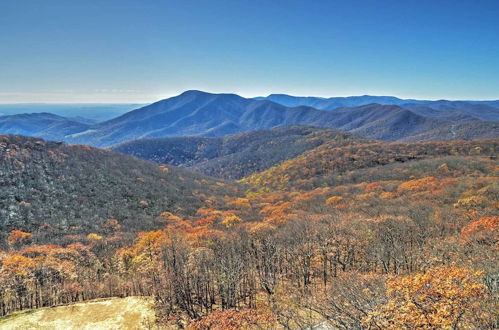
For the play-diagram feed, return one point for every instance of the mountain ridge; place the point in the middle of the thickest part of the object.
(234, 156)
(197, 113)
(51, 187)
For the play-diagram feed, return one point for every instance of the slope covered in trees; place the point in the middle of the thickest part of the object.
(51, 188)
(329, 164)
(458, 131)
(367, 235)
(235, 156)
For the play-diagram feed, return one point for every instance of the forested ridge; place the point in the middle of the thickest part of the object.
(348, 233)
(239, 155)
(54, 189)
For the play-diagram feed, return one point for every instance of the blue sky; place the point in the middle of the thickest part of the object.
(121, 51)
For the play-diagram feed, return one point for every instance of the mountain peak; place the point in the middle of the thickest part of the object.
(194, 92)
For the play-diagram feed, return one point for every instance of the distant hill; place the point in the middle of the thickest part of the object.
(331, 103)
(234, 156)
(458, 131)
(49, 187)
(382, 122)
(480, 110)
(43, 125)
(446, 109)
(90, 113)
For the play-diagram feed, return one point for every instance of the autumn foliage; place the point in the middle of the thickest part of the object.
(234, 320)
(483, 231)
(441, 298)
(18, 237)
(360, 235)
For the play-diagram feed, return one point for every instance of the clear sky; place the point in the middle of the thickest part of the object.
(123, 51)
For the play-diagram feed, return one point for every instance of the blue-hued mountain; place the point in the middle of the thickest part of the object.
(205, 114)
(331, 103)
(196, 113)
(451, 110)
(43, 125)
(84, 112)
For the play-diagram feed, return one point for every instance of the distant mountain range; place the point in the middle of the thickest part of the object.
(196, 113)
(43, 125)
(479, 110)
(86, 112)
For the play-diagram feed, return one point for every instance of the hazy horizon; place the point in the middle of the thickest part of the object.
(210, 92)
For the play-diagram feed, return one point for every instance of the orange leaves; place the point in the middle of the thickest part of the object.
(388, 195)
(334, 200)
(278, 213)
(150, 242)
(232, 319)
(435, 299)
(374, 187)
(164, 168)
(94, 237)
(231, 220)
(18, 237)
(241, 203)
(423, 184)
(18, 265)
(483, 231)
(208, 212)
(169, 218)
(260, 228)
(472, 202)
(143, 255)
(206, 221)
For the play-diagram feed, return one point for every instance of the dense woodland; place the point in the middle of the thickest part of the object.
(51, 188)
(357, 235)
(235, 156)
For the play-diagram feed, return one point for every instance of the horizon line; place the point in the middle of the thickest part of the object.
(141, 102)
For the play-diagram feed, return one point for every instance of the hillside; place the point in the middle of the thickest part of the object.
(52, 188)
(234, 156)
(458, 131)
(329, 164)
(383, 122)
